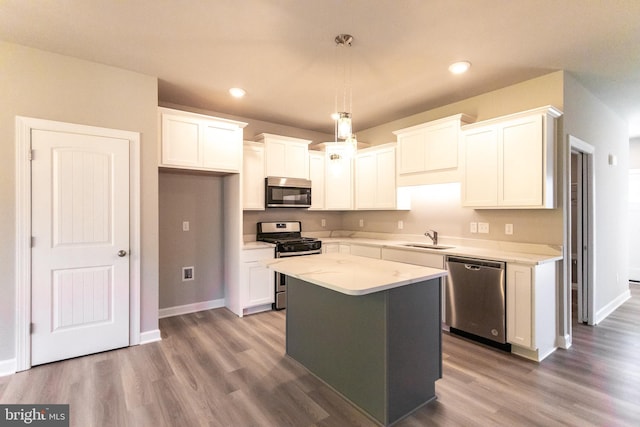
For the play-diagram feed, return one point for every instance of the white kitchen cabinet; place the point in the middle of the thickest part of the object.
(375, 181)
(509, 161)
(366, 251)
(253, 176)
(257, 282)
(338, 180)
(531, 309)
(316, 175)
(429, 153)
(285, 156)
(331, 248)
(199, 142)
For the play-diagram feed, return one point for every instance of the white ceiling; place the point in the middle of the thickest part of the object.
(282, 52)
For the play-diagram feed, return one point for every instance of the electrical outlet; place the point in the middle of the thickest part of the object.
(185, 225)
(187, 273)
(400, 225)
(508, 229)
(362, 223)
(323, 222)
(473, 227)
(483, 227)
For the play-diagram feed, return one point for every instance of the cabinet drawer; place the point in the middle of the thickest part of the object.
(366, 251)
(251, 255)
(413, 257)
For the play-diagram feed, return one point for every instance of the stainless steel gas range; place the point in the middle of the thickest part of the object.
(287, 236)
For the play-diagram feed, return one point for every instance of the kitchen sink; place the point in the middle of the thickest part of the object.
(426, 246)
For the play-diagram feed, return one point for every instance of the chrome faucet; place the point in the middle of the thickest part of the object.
(433, 235)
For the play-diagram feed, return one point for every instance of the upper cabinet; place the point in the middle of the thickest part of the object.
(285, 156)
(316, 175)
(429, 153)
(253, 176)
(338, 180)
(509, 161)
(376, 177)
(199, 142)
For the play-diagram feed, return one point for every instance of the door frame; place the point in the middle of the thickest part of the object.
(23, 128)
(576, 144)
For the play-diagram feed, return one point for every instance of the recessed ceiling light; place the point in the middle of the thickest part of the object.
(237, 92)
(459, 67)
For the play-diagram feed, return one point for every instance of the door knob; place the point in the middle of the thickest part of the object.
(121, 253)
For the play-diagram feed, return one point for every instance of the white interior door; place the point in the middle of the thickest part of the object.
(634, 224)
(80, 246)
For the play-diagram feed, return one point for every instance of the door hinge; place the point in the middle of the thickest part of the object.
(33, 241)
(31, 327)
(30, 155)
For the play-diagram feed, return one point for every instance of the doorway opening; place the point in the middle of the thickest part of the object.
(581, 232)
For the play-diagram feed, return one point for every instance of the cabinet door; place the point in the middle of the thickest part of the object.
(366, 180)
(297, 161)
(253, 177)
(275, 155)
(519, 305)
(260, 287)
(180, 141)
(441, 146)
(221, 147)
(386, 179)
(480, 184)
(338, 183)
(521, 157)
(412, 152)
(316, 174)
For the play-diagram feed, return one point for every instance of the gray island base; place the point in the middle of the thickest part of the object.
(382, 351)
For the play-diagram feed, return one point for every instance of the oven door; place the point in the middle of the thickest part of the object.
(281, 284)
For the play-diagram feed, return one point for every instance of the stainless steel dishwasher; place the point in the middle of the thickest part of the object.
(475, 300)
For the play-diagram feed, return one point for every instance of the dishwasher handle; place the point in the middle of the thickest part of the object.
(475, 264)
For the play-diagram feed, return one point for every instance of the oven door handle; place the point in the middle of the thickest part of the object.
(301, 253)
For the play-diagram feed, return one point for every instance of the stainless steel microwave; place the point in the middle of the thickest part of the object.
(287, 192)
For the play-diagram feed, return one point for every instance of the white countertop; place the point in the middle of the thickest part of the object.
(494, 251)
(352, 275)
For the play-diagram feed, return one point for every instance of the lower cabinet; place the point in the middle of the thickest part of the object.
(531, 309)
(256, 282)
(332, 248)
(366, 251)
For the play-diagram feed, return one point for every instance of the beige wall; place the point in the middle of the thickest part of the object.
(197, 199)
(588, 119)
(438, 206)
(43, 85)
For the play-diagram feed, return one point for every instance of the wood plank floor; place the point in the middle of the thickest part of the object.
(214, 369)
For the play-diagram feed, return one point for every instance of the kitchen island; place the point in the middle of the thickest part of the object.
(368, 328)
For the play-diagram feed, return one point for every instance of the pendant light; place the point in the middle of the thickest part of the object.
(344, 136)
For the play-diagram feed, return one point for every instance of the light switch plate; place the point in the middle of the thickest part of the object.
(185, 225)
(362, 223)
(323, 222)
(400, 225)
(483, 227)
(508, 229)
(473, 227)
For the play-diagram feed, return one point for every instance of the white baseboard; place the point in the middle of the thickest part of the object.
(190, 308)
(8, 367)
(564, 341)
(150, 336)
(611, 307)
